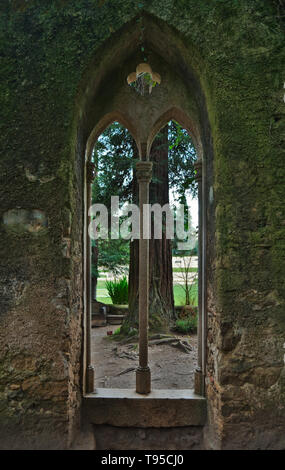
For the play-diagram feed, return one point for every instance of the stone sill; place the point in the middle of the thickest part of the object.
(161, 408)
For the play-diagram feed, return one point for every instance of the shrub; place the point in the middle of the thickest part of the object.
(187, 326)
(118, 291)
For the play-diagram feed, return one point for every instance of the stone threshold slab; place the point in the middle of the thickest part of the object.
(160, 408)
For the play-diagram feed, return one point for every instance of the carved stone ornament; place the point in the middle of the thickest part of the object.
(144, 172)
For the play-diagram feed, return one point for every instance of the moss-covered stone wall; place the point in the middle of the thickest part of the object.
(48, 51)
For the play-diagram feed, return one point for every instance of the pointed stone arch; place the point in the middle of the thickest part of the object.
(106, 97)
(103, 90)
(184, 120)
(102, 125)
(59, 80)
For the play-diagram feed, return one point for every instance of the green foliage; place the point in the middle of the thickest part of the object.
(115, 156)
(113, 255)
(114, 159)
(181, 158)
(188, 325)
(178, 291)
(118, 291)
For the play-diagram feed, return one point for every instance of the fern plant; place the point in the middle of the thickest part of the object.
(187, 326)
(118, 291)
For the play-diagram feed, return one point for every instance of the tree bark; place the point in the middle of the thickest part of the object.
(161, 308)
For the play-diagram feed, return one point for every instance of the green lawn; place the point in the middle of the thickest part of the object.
(179, 294)
(181, 270)
(102, 294)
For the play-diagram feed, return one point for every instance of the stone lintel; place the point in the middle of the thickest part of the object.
(160, 408)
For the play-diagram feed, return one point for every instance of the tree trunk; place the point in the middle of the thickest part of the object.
(161, 308)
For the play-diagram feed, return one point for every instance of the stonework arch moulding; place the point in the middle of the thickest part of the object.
(102, 125)
(185, 121)
(107, 98)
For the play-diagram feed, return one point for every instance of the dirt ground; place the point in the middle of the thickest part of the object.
(115, 363)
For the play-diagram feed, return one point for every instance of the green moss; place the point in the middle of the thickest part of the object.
(235, 48)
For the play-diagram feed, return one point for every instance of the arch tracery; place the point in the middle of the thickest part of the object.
(178, 97)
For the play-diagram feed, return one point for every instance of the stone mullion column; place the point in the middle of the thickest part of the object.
(199, 380)
(90, 373)
(143, 376)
